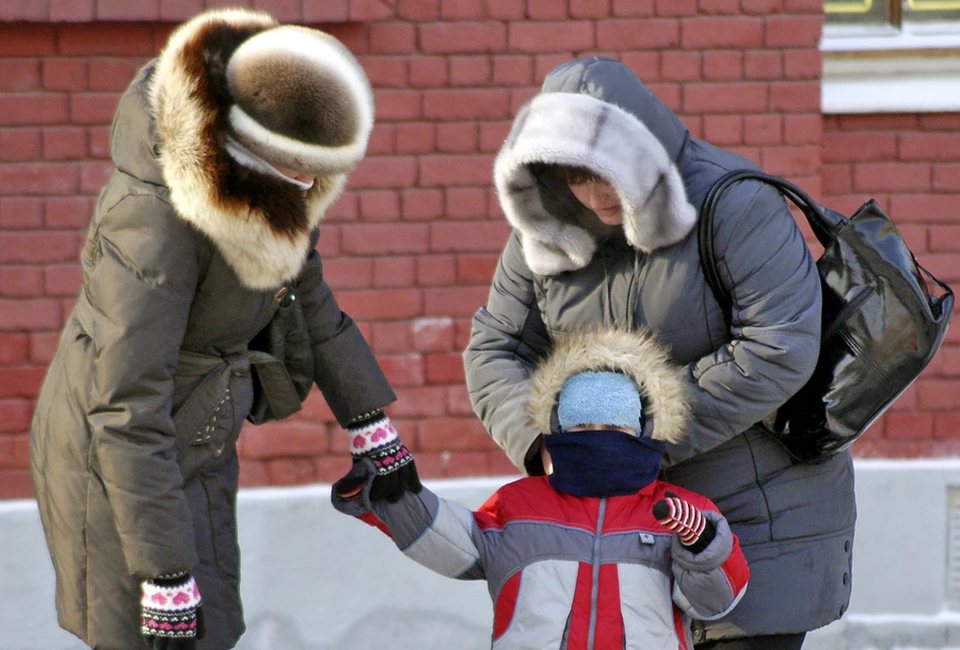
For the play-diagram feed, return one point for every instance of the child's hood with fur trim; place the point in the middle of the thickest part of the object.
(637, 354)
(594, 113)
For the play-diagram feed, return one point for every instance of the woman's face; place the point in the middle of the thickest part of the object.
(303, 177)
(599, 197)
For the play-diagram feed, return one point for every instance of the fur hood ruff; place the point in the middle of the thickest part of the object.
(554, 128)
(261, 225)
(637, 355)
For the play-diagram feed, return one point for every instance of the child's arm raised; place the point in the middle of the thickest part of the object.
(710, 572)
(438, 533)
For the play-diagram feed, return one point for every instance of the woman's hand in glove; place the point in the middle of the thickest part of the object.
(377, 440)
(170, 613)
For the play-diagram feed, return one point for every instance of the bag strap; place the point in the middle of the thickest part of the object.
(824, 226)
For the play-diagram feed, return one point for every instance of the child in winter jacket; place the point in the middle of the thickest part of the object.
(599, 553)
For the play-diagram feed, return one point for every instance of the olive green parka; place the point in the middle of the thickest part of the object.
(133, 442)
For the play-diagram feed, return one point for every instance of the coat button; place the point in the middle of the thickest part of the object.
(280, 295)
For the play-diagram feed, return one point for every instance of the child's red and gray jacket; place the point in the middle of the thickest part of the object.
(578, 573)
(574, 573)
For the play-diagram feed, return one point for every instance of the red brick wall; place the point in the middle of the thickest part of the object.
(411, 246)
(910, 164)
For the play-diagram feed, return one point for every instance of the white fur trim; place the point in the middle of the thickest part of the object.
(579, 130)
(323, 159)
(261, 258)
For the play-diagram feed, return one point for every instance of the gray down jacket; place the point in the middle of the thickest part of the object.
(133, 442)
(562, 270)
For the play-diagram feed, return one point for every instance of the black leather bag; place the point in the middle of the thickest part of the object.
(281, 357)
(881, 326)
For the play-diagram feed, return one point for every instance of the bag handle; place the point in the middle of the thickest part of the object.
(938, 306)
(825, 225)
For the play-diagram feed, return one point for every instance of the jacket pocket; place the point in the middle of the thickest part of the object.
(206, 422)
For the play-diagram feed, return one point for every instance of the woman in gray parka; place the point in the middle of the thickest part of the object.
(603, 183)
(227, 148)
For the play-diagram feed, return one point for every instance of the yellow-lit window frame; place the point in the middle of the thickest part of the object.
(931, 5)
(849, 6)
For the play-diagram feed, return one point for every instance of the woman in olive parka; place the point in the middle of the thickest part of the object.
(603, 184)
(228, 148)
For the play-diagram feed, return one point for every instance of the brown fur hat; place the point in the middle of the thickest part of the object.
(635, 353)
(302, 100)
(262, 225)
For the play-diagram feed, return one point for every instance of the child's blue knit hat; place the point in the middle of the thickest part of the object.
(599, 397)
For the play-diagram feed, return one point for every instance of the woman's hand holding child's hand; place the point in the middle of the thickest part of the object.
(379, 455)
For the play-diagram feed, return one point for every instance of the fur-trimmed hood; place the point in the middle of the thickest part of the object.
(637, 355)
(593, 113)
(259, 223)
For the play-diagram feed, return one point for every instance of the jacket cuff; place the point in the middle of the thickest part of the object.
(716, 552)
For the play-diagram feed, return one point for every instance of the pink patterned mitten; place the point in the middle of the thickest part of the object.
(170, 612)
(376, 438)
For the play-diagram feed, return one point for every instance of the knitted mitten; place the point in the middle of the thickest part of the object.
(693, 529)
(170, 612)
(376, 439)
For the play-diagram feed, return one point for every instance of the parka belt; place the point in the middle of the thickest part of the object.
(273, 387)
(208, 394)
(275, 393)
(271, 383)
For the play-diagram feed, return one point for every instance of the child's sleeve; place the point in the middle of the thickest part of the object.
(438, 533)
(708, 584)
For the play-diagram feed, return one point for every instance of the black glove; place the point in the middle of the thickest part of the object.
(170, 615)
(377, 440)
(351, 494)
(694, 530)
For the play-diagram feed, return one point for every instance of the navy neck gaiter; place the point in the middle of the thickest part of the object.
(602, 463)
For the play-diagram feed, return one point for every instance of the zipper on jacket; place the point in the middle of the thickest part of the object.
(698, 631)
(607, 316)
(595, 575)
(632, 283)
